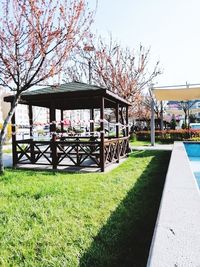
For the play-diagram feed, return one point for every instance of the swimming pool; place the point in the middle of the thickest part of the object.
(193, 152)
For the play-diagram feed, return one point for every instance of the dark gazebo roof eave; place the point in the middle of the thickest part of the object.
(81, 96)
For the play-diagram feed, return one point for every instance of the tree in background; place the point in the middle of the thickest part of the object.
(173, 123)
(140, 112)
(122, 70)
(36, 39)
(158, 108)
(193, 118)
(186, 106)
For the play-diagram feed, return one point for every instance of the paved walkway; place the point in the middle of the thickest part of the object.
(176, 236)
(167, 147)
(7, 159)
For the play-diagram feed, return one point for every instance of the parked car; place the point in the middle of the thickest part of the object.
(195, 126)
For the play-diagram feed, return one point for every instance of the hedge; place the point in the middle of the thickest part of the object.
(168, 136)
(9, 131)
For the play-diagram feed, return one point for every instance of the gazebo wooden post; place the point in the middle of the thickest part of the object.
(127, 130)
(92, 122)
(61, 118)
(117, 130)
(30, 113)
(52, 113)
(102, 157)
(127, 127)
(14, 145)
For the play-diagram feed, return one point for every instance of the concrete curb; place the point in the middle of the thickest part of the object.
(176, 239)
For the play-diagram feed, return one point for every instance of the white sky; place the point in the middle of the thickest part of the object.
(170, 27)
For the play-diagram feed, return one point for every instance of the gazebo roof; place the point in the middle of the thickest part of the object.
(73, 95)
(179, 93)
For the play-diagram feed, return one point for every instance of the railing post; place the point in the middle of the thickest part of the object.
(53, 140)
(14, 144)
(30, 109)
(54, 152)
(102, 156)
(77, 154)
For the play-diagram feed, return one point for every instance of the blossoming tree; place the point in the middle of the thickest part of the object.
(122, 70)
(36, 39)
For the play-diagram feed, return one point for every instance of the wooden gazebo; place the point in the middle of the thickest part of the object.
(97, 151)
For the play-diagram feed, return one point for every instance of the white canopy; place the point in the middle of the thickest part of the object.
(182, 93)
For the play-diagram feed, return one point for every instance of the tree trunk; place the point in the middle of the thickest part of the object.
(186, 119)
(161, 117)
(1, 157)
(3, 130)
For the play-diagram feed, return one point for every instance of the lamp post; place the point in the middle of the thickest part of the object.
(152, 123)
(89, 48)
(152, 118)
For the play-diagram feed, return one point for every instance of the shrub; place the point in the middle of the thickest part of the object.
(133, 136)
(173, 124)
(9, 131)
(184, 126)
(168, 136)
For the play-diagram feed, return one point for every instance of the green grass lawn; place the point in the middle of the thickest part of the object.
(140, 143)
(7, 151)
(82, 220)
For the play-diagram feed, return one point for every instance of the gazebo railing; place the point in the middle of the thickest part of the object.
(58, 153)
(71, 152)
(115, 149)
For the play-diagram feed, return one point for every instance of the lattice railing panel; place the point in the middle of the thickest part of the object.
(42, 154)
(23, 153)
(79, 153)
(115, 149)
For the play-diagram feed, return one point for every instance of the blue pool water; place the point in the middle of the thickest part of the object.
(193, 152)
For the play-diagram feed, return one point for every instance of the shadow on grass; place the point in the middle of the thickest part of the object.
(150, 153)
(126, 238)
